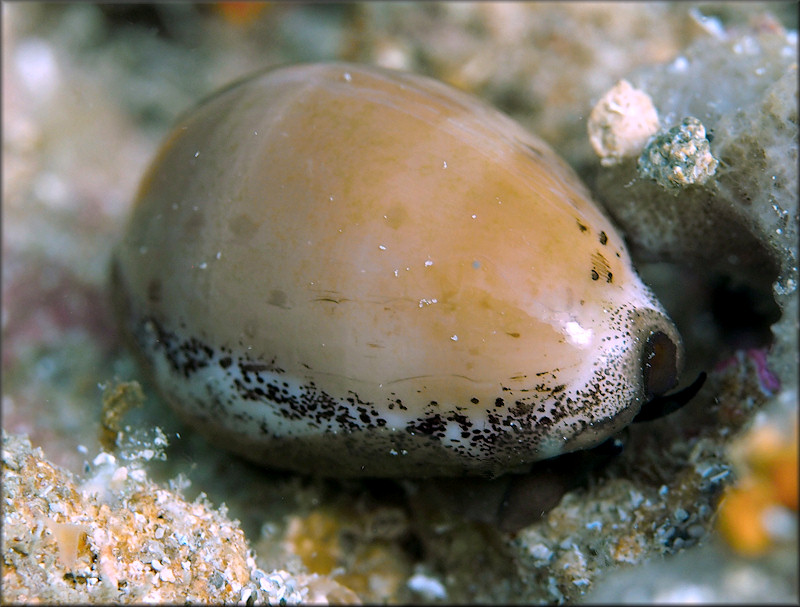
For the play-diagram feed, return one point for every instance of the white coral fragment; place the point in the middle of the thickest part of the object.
(621, 123)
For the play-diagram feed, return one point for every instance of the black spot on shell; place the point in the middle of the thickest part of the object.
(595, 275)
(603, 238)
(461, 420)
(432, 426)
(521, 409)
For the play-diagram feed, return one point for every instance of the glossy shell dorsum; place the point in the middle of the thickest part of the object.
(351, 271)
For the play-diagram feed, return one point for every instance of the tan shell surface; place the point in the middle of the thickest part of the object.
(384, 236)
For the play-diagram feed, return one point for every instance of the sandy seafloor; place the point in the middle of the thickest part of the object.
(88, 94)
